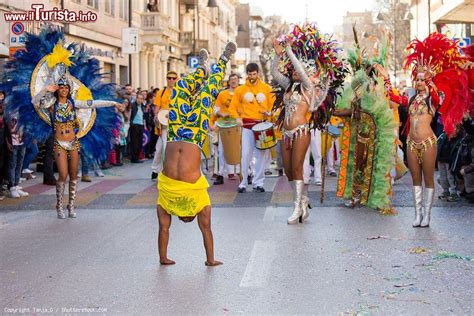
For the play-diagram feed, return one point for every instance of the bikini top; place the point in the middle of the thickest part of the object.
(292, 100)
(64, 113)
(419, 106)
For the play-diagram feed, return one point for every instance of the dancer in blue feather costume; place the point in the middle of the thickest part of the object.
(57, 88)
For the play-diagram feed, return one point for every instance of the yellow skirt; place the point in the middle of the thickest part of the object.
(181, 198)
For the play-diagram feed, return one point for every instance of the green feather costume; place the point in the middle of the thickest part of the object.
(377, 123)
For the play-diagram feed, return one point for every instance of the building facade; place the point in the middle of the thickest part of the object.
(170, 32)
(453, 17)
(102, 41)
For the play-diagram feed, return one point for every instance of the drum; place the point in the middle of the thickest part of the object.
(264, 134)
(163, 117)
(229, 134)
(334, 131)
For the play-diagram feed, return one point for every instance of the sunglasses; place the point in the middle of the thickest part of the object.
(171, 78)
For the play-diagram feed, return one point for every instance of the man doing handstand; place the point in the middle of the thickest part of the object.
(182, 188)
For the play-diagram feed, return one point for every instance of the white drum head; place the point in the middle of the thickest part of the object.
(163, 117)
(262, 126)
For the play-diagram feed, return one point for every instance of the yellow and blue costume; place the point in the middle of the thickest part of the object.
(190, 114)
(189, 120)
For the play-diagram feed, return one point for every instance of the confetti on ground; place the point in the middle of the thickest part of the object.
(388, 212)
(419, 250)
(377, 237)
(450, 255)
(403, 285)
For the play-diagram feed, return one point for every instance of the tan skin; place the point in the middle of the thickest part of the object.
(423, 130)
(183, 163)
(64, 133)
(293, 157)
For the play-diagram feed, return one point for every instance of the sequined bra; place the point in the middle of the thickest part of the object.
(291, 101)
(419, 106)
(64, 114)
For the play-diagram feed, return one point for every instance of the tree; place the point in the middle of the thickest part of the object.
(392, 14)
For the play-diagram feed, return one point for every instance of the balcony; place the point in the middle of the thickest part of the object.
(154, 23)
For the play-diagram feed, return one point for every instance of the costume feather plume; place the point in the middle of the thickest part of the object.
(319, 55)
(59, 55)
(441, 56)
(97, 143)
(436, 53)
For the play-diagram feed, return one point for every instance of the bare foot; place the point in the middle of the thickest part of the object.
(166, 262)
(213, 263)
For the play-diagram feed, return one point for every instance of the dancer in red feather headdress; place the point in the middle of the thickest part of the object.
(441, 86)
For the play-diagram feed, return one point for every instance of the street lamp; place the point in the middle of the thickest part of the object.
(393, 19)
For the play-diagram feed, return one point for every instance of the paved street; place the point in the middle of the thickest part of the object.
(339, 261)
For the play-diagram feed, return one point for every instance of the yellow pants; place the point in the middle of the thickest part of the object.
(181, 198)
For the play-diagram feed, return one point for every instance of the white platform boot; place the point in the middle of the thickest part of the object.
(305, 203)
(429, 198)
(297, 211)
(59, 199)
(72, 198)
(418, 199)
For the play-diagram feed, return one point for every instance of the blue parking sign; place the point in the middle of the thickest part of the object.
(193, 61)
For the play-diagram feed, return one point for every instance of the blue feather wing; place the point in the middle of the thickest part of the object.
(16, 83)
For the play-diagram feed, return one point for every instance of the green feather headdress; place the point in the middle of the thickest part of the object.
(359, 59)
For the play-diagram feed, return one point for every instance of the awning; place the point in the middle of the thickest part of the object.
(454, 11)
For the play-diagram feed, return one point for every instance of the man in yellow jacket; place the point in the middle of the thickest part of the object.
(162, 102)
(251, 104)
(221, 110)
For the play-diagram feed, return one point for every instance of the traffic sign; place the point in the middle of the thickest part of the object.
(130, 40)
(17, 36)
(193, 61)
(18, 28)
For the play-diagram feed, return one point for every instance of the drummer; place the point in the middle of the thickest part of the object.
(221, 111)
(251, 104)
(162, 101)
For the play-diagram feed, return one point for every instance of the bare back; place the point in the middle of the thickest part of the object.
(182, 162)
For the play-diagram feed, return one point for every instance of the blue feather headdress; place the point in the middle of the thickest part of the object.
(98, 141)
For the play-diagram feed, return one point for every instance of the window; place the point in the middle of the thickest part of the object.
(93, 3)
(110, 7)
(123, 9)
